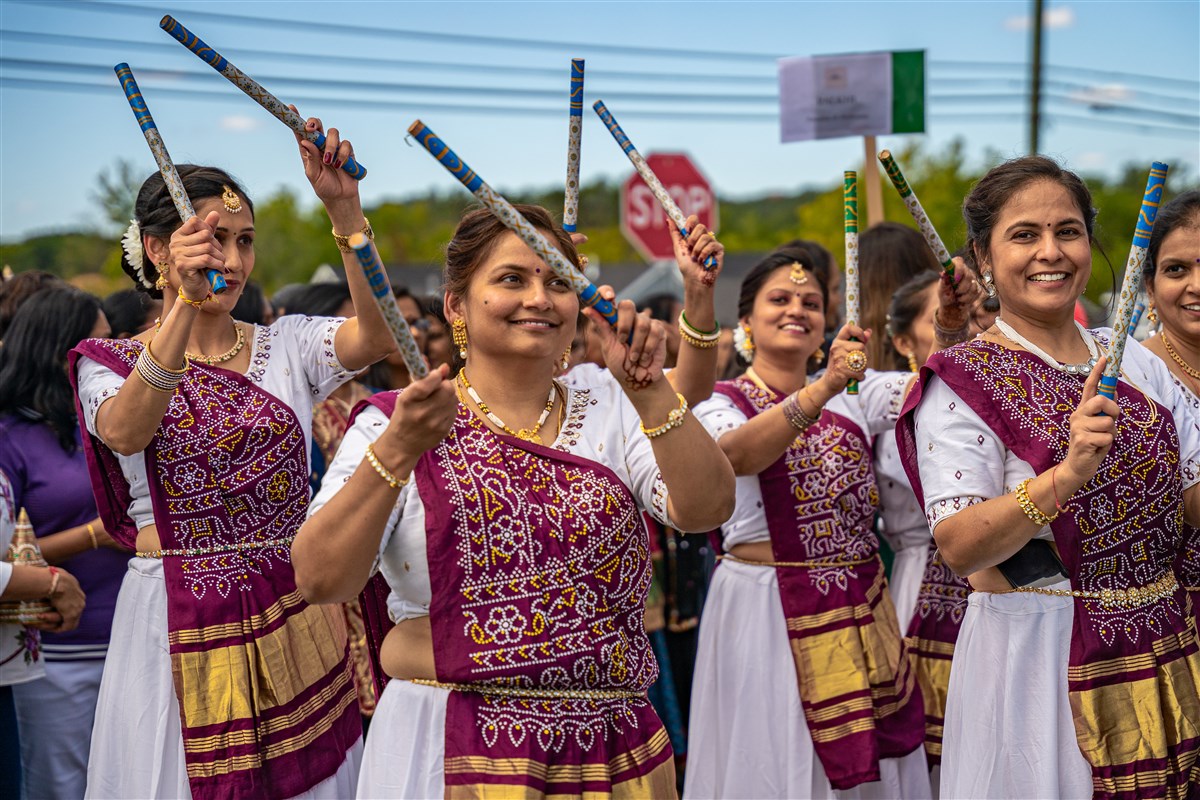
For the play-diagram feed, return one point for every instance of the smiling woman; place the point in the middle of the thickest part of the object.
(198, 438)
(505, 511)
(1065, 511)
(1172, 275)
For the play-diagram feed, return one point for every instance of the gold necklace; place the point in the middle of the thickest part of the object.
(223, 357)
(1178, 359)
(527, 434)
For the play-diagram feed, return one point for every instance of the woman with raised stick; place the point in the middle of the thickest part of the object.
(1075, 672)
(802, 686)
(1172, 275)
(221, 681)
(505, 511)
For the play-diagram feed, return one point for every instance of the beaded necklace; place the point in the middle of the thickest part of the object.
(528, 434)
(1071, 369)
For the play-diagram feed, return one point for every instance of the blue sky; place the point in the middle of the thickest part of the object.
(63, 118)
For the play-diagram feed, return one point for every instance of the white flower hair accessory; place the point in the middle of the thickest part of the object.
(131, 243)
(743, 343)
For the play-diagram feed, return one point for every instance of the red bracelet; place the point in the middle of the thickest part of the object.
(1054, 486)
(54, 571)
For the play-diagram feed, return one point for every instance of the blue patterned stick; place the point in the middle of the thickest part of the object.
(183, 204)
(574, 139)
(1136, 319)
(381, 290)
(643, 169)
(1131, 286)
(252, 88)
(513, 220)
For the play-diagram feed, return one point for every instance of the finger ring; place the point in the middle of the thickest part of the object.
(713, 235)
(583, 262)
(856, 360)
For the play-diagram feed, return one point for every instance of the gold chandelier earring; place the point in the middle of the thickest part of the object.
(566, 359)
(458, 333)
(162, 282)
(1152, 315)
(912, 362)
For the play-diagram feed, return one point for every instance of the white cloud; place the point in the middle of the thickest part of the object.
(1061, 17)
(240, 124)
(1091, 160)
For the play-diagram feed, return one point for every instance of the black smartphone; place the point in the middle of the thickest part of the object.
(1036, 564)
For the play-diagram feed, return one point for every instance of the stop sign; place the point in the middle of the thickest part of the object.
(643, 220)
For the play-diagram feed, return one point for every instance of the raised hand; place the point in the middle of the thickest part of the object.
(635, 349)
(195, 250)
(323, 167)
(692, 252)
(423, 415)
(839, 366)
(1093, 426)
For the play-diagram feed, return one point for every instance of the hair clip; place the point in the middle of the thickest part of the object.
(232, 203)
(798, 276)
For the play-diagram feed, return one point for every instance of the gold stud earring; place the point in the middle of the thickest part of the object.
(1152, 315)
(458, 333)
(162, 282)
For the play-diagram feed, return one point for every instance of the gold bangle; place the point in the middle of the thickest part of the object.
(92, 534)
(700, 344)
(1035, 514)
(343, 242)
(674, 419)
(164, 367)
(383, 471)
(190, 301)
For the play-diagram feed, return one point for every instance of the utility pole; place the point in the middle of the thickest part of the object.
(1035, 79)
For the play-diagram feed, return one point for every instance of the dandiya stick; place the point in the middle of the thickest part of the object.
(513, 220)
(1136, 319)
(381, 290)
(158, 148)
(850, 201)
(918, 213)
(574, 140)
(252, 88)
(643, 169)
(1131, 286)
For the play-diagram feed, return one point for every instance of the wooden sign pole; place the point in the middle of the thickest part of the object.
(871, 180)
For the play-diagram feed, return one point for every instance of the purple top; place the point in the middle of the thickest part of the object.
(54, 489)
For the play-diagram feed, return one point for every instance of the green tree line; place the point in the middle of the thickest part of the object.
(293, 238)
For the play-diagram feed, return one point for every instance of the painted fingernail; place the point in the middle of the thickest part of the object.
(338, 163)
(328, 159)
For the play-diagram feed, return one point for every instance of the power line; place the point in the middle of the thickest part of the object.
(145, 12)
(552, 95)
(66, 40)
(423, 107)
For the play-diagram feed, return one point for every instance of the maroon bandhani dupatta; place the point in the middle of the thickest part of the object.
(1133, 671)
(856, 684)
(266, 693)
(932, 634)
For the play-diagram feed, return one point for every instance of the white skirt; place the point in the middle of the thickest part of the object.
(1009, 731)
(908, 569)
(137, 740)
(406, 746)
(748, 736)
